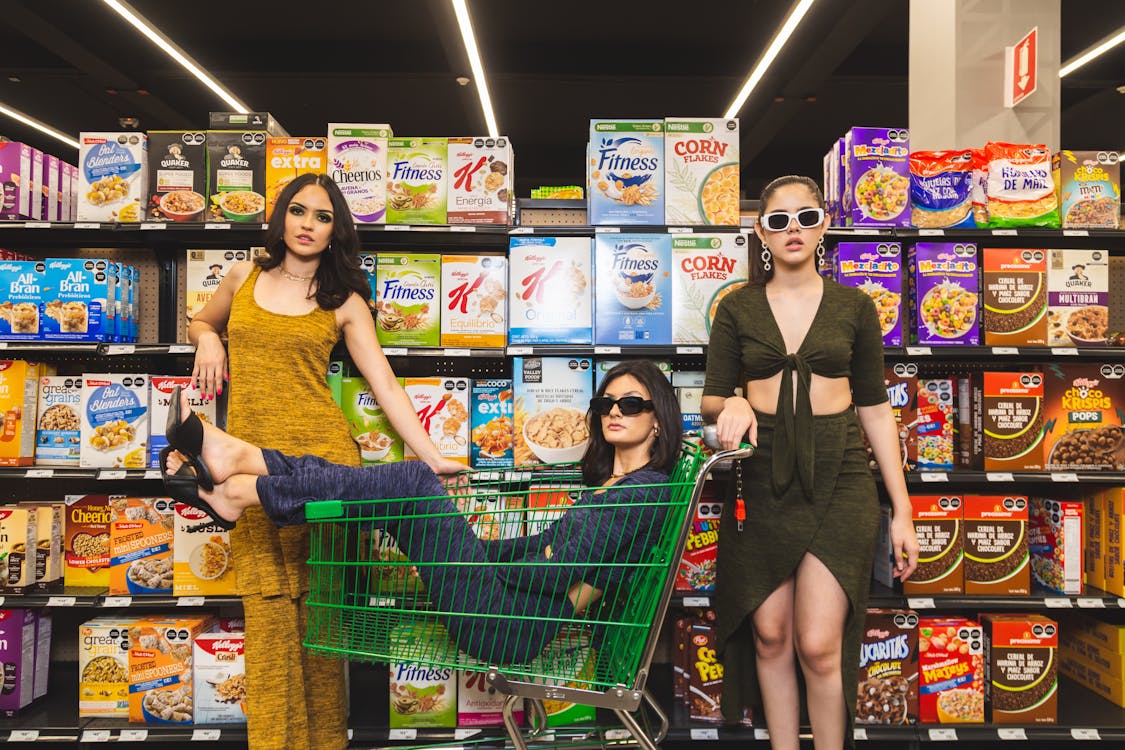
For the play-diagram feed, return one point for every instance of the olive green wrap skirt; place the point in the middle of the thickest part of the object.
(838, 525)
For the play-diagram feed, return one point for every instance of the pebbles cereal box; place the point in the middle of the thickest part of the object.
(550, 290)
(633, 297)
(705, 268)
(625, 172)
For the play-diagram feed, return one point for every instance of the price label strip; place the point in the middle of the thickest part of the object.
(1011, 733)
(943, 735)
(402, 734)
(133, 735)
(206, 735)
(88, 735)
(24, 735)
(704, 734)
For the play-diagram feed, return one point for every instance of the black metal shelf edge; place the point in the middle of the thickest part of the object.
(881, 596)
(104, 349)
(960, 479)
(110, 730)
(54, 717)
(74, 596)
(1007, 353)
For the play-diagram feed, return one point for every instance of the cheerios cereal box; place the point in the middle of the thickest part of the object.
(112, 176)
(442, 405)
(22, 288)
(480, 181)
(19, 394)
(701, 173)
(705, 268)
(202, 561)
(625, 172)
(159, 401)
(875, 268)
(357, 162)
(86, 523)
(416, 180)
(633, 301)
(474, 300)
(378, 441)
(550, 282)
(552, 396)
(492, 432)
(114, 421)
(287, 158)
(407, 299)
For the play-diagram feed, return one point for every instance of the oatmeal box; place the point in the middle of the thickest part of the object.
(114, 421)
(550, 290)
(236, 176)
(407, 299)
(943, 283)
(876, 269)
(177, 175)
(205, 270)
(705, 268)
(552, 395)
(1014, 296)
(1083, 405)
(625, 172)
(633, 301)
(474, 302)
(1077, 297)
(888, 668)
(481, 180)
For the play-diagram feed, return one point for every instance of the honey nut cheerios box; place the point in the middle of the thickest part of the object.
(103, 666)
(114, 421)
(140, 542)
(625, 172)
(474, 300)
(705, 269)
(202, 561)
(701, 170)
(287, 158)
(86, 528)
(442, 405)
(19, 396)
(357, 161)
(480, 180)
(112, 176)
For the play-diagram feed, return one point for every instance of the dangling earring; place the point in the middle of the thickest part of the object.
(767, 256)
(820, 253)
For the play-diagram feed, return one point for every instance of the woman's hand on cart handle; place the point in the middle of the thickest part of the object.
(710, 435)
(737, 419)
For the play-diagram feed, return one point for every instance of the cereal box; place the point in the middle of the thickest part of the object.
(357, 162)
(205, 269)
(22, 286)
(18, 536)
(19, 392)
(263, 121)
(43, 630)
(479, 704)
(888, 668)
(492, 431)
(901, 380)
(68, 182)
(79, 300)
(1008, 428)
(1020, 187)
(378, 441)
(625, 172)
(160, 398)
(17, 657)
(943, 281)
(950, 671)
(51, 177)
(15, 179)
(704, 673)
(421, 696)
(633, 300)
(286, 158)
(112, 176)
(1077, 297)
(177, 175)
(996, 547)
(1015, 296)
(705, 268)
(114, 421)
(86, 540)
(1055, 540)
(474, 310)
(1094, 541)
(219, 678)
(934, 424)
(236, 176)
(876, 190)
(937, 522)
(416, 180)
(103, 666)
(160, 666)
(36, 184)
(697, 570)
(1021, 668)
(552, 395)
(1084, 407)
(701, 179)
(550, 290)
(407, 299)
(1088, 184)
(876, 269)
(140, 546)
(48, 561)
(481, 180)
(202, 562)
(442, 404)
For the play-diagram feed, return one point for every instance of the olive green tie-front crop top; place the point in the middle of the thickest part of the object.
(844, 340)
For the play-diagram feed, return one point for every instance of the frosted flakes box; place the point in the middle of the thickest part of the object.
(287, 158)
(416, 180)
(491, 424)
(625, 172)
(219, 678)
(1088, 184)
(1015, 296)
(876, 189)
(442, 405)
(177, 175)
(22, 286)
(1077, 297)
(19, 396)
(112, 176)
(160, 399)
(634, 289)
(114, 421)
(357, 162)
(370, 428)
(550, 294)
(474, 310)
(701, 170)
(79, 300)
(205, 270)
(552, 396)
(481, 180)
(875, 268)
(944, 286)
(15, 180)
(236, 176)
(407, 299)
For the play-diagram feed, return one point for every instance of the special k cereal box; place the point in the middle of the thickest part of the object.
(140, 543)
(480, 185)
(114, 421)
(625, 172)
(950, 671)
(491, 423)
(219, 678)
(112, 176)
(701, 179)
(160, 398)
(286, 158)
(479, 704)
(552, 396)
(442, 405)
(474, 309)
(22, 286)
(407, 298)
(160, 667)
(202, 563)
(705, 268)
(205, 269)
(416, 180)
(357, 162)
(86, 540)
(19, 395)
(634, 289)
(550, 290)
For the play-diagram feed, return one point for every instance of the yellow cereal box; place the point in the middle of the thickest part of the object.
(160, 651)
(288, 157)
(103, 666)
(140, 541)
(17, 549)
(202, 563)
(48, 545)
(19, 396)
(205, 269)
(86, 540)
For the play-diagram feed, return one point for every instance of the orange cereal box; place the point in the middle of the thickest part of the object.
(950, 671)
(19, 397)
(160, 659)
(286, 158)
(141, 546)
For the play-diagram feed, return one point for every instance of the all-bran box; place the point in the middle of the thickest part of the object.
(941, 555)
(287, 158)
(442, 404)
(481, 180)
(492, 432)
(114, 421)
(625, 172)
(950, 671)
(997, 558)
(357, 162)
(19, 528)
(1015, 296)
(479, 704)
(86, 529)
(888, 668)
(1008, 428)
(944, 283)
(705, 268)
(408, 299)
(701, 173)
(160, 668)
(19, 395)
(112, 176)
(22, 286)
(633, 301)
(378, 441)
(236, 176)
(1085, 404)
(160, 399)
(550, 290)
(416, 180)
(474, 310)
(202, 561)
(1077, 297)
(552, 395)
(1055, 540)
(79, 300)
(15, 179)
(103, 666)
(876, 269)
(876, 190)
(140, 546)
(205, 270)
(219, 678)
(1021, 672)
(1088, 187)
(177, 175)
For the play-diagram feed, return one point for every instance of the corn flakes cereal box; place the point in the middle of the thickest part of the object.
(875, 268)
(160, 398)
(950, 671)
(236, 176)
(479, 704)
(701, 177)
(15, 179)
(474, 311)
(944, 284)
(17, 657)
(492, 432)
(160, 667)
(997, 560)
(1077, 297)
(442, 405)
(705, 268)
(550, 290)
(481, 180)
(1055, 538)
(625, 172)
(416, 180)
(633, 300)
(114, 421)
(140, 546)
(177, 175)
(18, 537)
(407, 299)
(79, 301)
(357, 162)
(286, 158)
(103, 666)
(1088, 184)
(205, 269)
(552, 396)
(202, 562)
(112, 176)
(219, 678)
(19, 395)
(378, 441)
(48, 545)
(22, 287)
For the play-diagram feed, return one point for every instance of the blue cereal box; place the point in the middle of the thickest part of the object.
(78, 300)
(22, 285)
(634, 289)
(944, 284)
(549, 286)
(625, 172)
(492, 431)
(876, 269)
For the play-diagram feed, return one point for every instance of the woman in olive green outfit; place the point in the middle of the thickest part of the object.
(795, 578)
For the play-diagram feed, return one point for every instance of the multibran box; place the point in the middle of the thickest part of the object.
(1085, 407)
(997, 557)
(625, 172)
(474, 295)
(705, 268)
(481, 181)
(1021, 669)
(1014, 296)
(633, 298)
(950, 671)
(937, 522)
(286, 158)
(701, 177)
(550, 290)
(1009, 425)
(357, 162)
(407, 299)
(1077, 297)
(416, 180)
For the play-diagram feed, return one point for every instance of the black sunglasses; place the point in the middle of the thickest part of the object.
(807, 218)
(627, 405)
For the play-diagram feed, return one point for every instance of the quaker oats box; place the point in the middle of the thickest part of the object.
(417, 175)
(219, 678)
(1021, 668)
(160, 668)
(552, 396)
(633, 302)
(19, 395)
(1056, 531)
(442, 405)
(1014, 296)
(1088, 186)
(114, 421)
(1009, 426)
(888, 668)
(550, 291)
(205, 269)
(944, 283)
(407, 299)
(481, 180)
(701, 173)
(236, 176)
(1084, 406)
(474, 310)
(1077, 297)
(378, 441)
(140, 546)
(160, 399)
(57, 437)
(876, 186)
(79, 300)
(15, 180)
(86, 540)
(22, 287)
(287, 158)
(950, 671)
(202, 562)
(17, 656)
(997, 557)
(705, 268)
(625, 172)
(357, 162)
(177, 175)
(112, 176)
(937, 522)
(479, 704)
(491, 425)
(18, 537)
(876, 269)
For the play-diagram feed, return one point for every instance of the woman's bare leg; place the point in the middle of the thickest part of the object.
(233, 495)
(777, 672)
(821, 608)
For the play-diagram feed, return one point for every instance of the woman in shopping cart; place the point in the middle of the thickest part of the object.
(635, 441)
(793, 577)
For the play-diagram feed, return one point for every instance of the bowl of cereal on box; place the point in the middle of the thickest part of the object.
(1088, 326)
(208, 561)
(182, 205)
(558, 435)
(242, 205)
(374, 445)
(150, 575)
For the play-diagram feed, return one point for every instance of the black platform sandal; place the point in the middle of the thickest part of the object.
(183, 487)
(186, 438)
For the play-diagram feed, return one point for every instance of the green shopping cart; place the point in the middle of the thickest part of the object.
(368, 602)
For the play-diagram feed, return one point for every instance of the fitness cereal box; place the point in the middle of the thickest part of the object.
(875, 268)
(357, 162)
(950, 671)
(701, 171)
(114, 416)
(416, 180)
(1014, 296)
(407, 299)
(421, 696)
(633, 301)
(944, 282)
(371, 429)
(287, 158)
(1084, 404)
(177, 175)
(19, 396)
(474, 309)
(481, 180)
(625, 172)
(1077, 297)
(442, 404)
(705, 268)
(997, 559)
(112, 176)
(1055, 540)
(888, 668)
(550, 290)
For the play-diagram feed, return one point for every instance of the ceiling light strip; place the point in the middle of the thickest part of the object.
(15, 114)
(1097, 50)
(461, 9)
(154, 35)
(767, 58)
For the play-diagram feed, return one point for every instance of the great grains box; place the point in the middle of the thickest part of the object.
(112, 176)
(997, 557)
(944, 286)
(1084, 406)
(474, 301)
(103, 666)
(408, 299)
(705, 268)
(550, 290)
(633, 302)
(1077, 297)
(625, 172)
(481, 180)
(417, 175)
(357, 162)
(701, 170)
(1014, 296)
(552, 396)
(876, 269)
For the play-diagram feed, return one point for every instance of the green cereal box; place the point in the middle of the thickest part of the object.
(416, 180)
(408, 299)
(421, 695)
(370, 427)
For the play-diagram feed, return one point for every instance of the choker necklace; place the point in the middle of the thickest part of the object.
(292, 276)
(618, 476)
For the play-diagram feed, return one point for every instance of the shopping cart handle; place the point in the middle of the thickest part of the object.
(710, 435)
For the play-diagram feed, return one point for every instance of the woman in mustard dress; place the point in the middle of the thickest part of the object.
(793, 580)
(284, 314)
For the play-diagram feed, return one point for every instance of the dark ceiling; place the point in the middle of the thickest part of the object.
(77, 66)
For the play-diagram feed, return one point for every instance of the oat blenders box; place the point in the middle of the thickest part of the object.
(550, 290)
(112, 176)
(944, 284)
(701, 170)
(1077, 297)
(1014, 296)
(625, 172)
(633, 297)
(876, 269)
(177, 175)
(114, 417)
(705, 269)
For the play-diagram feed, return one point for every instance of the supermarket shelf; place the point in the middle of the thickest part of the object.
(96, 349)
(117, 730)
(1008, 353)
(75, 596)
(967, 478)
(53, 718)
(60, 473)
(587, 350)
(448, 352)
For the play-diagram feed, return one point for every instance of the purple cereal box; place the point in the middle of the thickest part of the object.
(17, 659)
(15, 179)
(944, 283)
(877, 177)
(875, 268)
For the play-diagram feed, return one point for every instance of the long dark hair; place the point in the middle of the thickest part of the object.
(339, 273)
(758, 273)
(597, 464)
